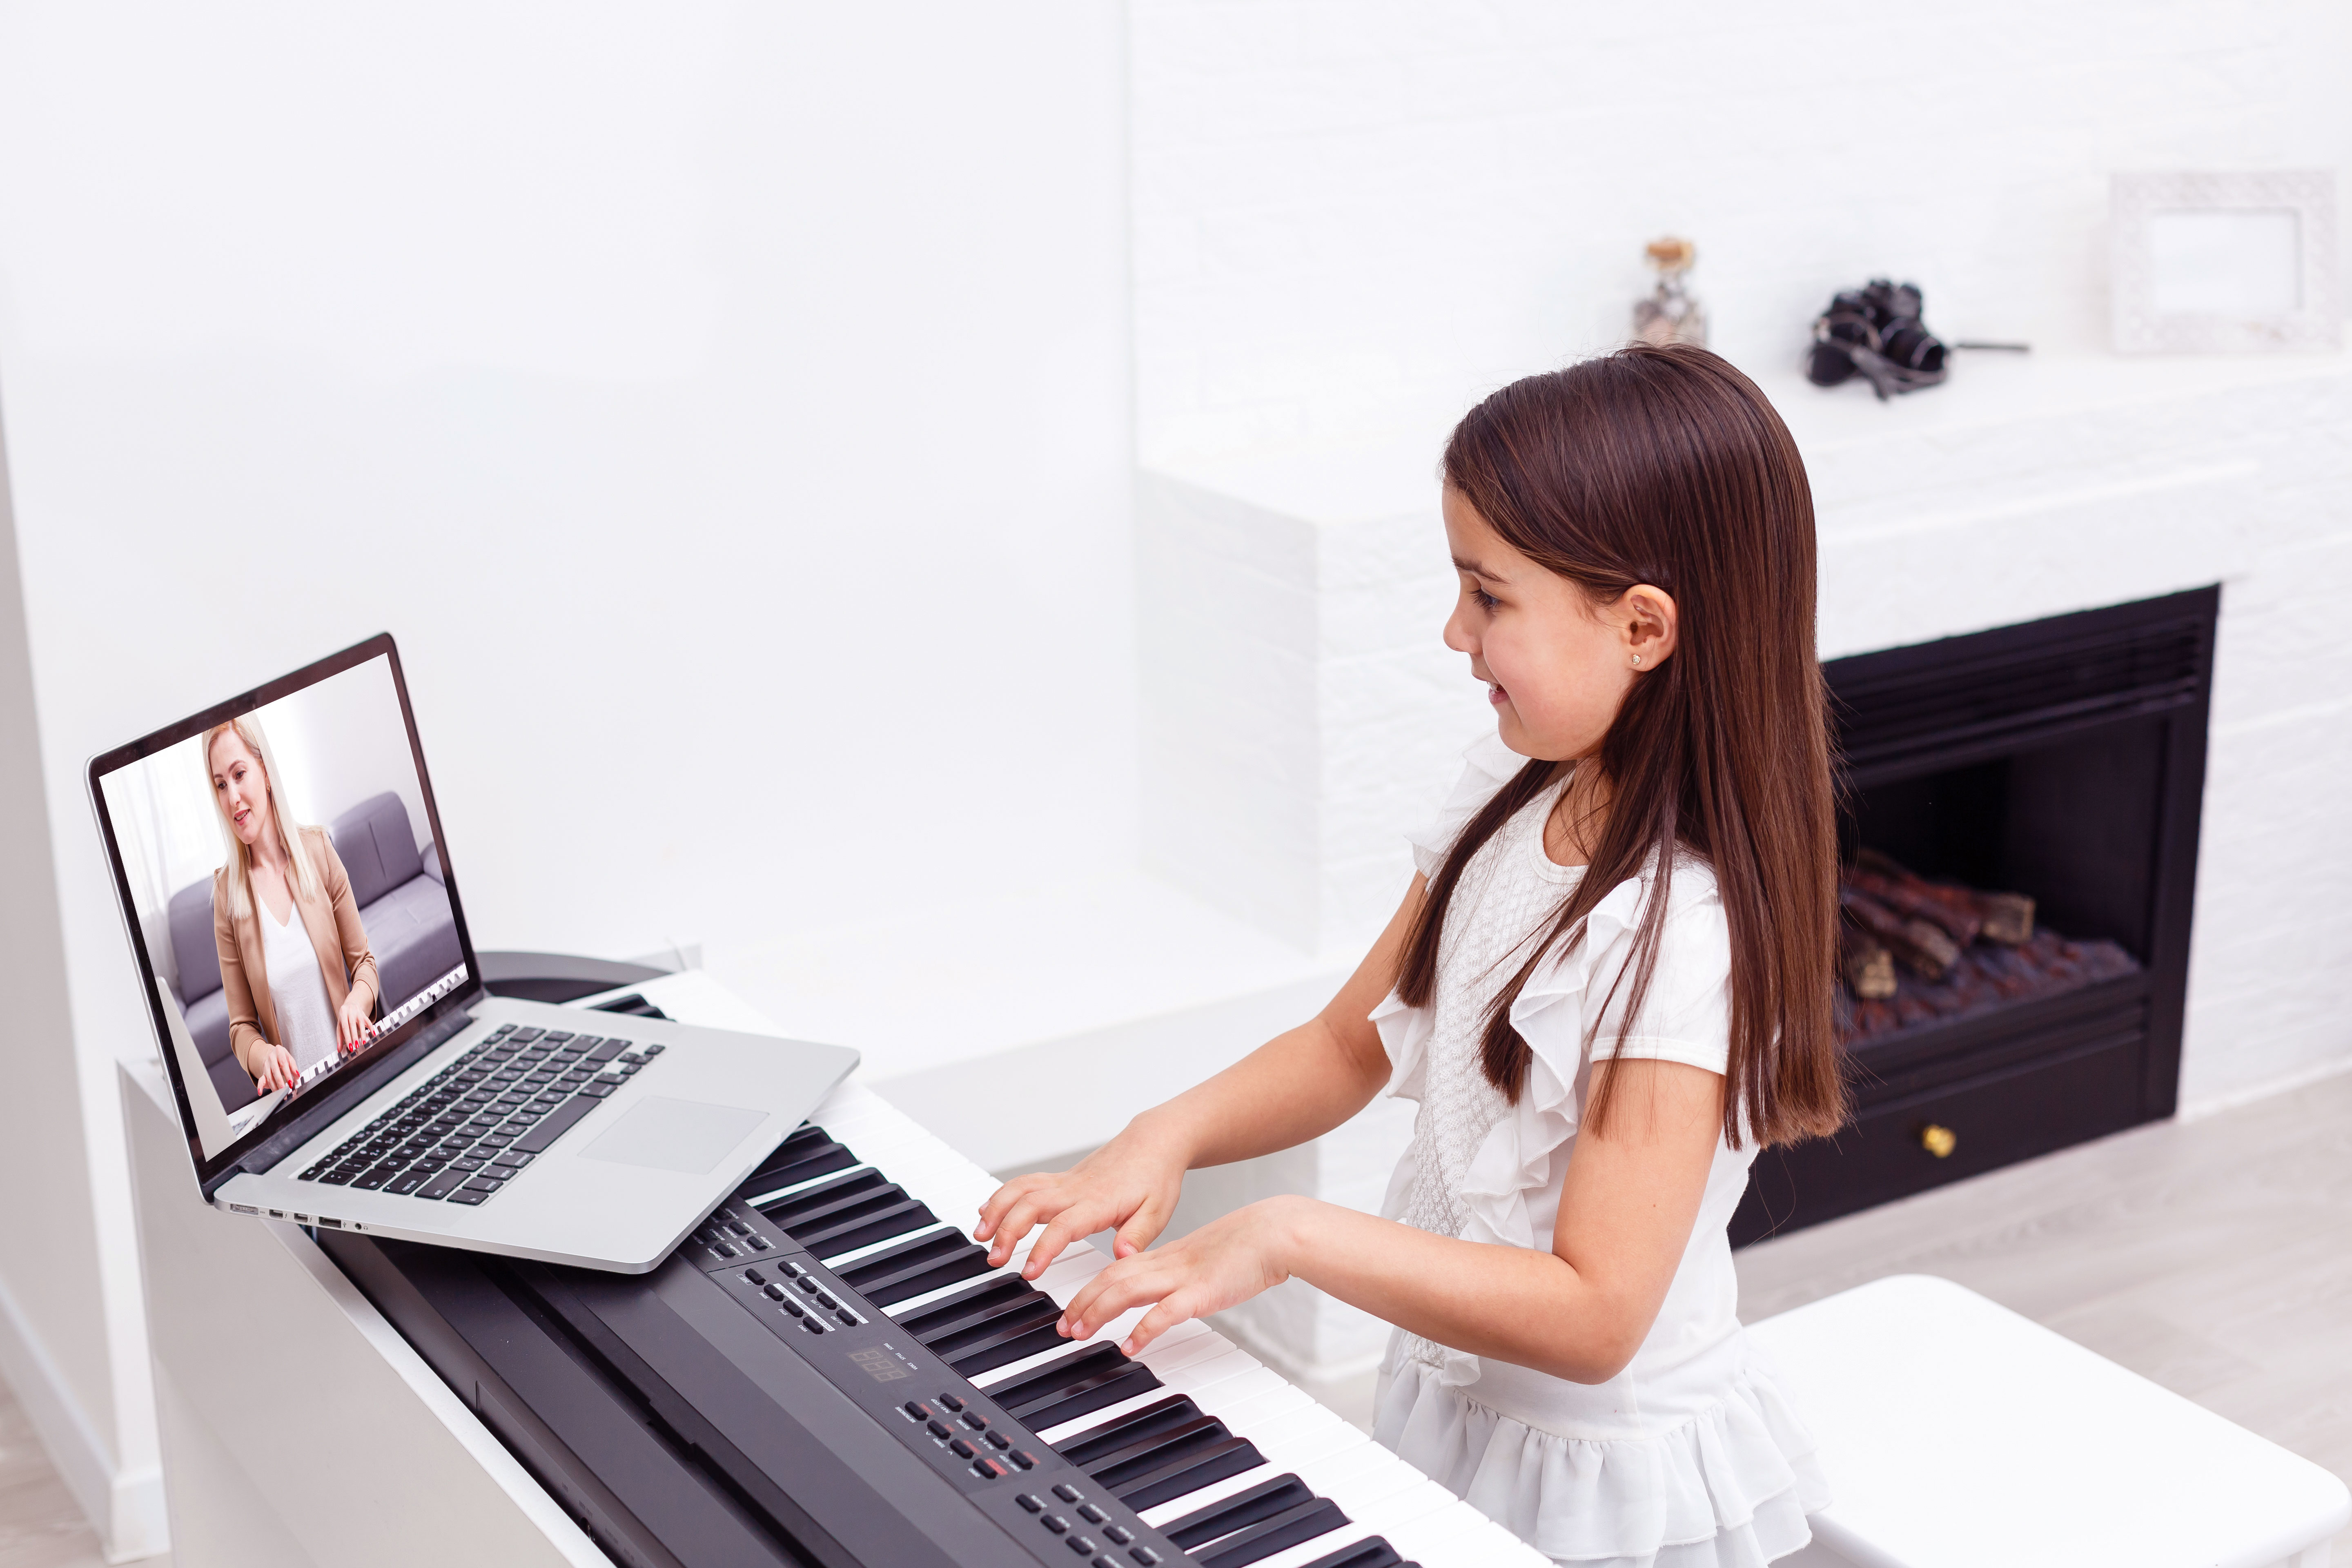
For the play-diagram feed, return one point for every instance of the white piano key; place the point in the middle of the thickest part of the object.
(1461, 1537)
(1240, 1415)
(1313, 1424)
(1402, 1511)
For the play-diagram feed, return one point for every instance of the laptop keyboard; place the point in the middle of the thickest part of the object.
(478, 1122)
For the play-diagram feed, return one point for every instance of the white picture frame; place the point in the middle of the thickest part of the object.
(2225, 263)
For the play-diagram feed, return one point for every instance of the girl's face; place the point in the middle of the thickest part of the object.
(1556, 665)
(242, 787)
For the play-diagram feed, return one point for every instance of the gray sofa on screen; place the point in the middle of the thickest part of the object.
(403, 906)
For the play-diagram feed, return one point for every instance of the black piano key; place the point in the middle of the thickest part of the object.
(948, 1313)
(1085, 1448)
(825, 1196)
(848, 1233)
(1147, 1485)
(1073, 1393)
(1150, 1452)
(1280, 1533)
(915, 1268)
(1017, 1337)
(1372, 1552)
(791, 1173)
(1221, 1517)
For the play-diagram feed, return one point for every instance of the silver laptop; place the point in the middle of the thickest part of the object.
(293, 909)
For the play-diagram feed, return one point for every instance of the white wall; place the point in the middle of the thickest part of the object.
(1348, 215)
(726, 405)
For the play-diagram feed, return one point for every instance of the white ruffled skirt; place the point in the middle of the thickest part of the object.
(1727, 1488)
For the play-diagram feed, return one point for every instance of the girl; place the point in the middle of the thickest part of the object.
(1609, 984)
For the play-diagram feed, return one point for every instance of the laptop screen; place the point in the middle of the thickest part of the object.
(280, 866)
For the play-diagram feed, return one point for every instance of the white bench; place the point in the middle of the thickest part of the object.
(1955, 1434)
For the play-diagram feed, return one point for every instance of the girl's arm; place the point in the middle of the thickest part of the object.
(1297, 1086)
(1579, 1312)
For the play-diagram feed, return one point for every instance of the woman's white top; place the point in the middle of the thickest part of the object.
(297, 988)
(1690, 1457)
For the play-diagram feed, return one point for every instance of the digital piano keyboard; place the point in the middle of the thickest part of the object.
(829, 1373)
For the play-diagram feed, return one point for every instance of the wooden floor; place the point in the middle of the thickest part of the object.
(40, 1525)
(2213, 1257)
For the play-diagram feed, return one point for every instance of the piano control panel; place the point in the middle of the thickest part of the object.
(1048, 1505)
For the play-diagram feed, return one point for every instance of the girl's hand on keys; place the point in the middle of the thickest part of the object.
(1221, 1265)
(1131, 1181)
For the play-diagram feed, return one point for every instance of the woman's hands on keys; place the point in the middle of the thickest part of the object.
(1130, 1182)
(1221, 1265)
(274, 1068)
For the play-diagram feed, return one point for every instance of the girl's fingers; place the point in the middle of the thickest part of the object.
(1025, 1216)
(1000, 1203)
(1074, 1223)
(1173, 1309)
(1117, 1289)
(1141, 1228)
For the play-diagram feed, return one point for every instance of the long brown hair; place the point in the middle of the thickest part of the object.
(1666, 466)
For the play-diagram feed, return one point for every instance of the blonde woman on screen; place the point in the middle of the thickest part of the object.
(295, 963)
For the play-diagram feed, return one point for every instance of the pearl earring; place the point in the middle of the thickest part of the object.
(1637, 661)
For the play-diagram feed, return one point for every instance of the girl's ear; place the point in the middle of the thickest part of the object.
(1650, 622)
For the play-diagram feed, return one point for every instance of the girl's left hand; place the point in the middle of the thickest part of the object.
(353, 1023)
(1221, 1265)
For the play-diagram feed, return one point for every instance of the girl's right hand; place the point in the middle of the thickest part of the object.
(276, 1068)
(1132, 1182)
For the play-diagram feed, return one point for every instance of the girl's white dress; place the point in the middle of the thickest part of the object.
(1690, 1457)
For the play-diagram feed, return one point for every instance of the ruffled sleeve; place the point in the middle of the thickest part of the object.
(1405, 1031)
(1685, 1017)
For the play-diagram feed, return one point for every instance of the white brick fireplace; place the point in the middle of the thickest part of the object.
(1300, 709)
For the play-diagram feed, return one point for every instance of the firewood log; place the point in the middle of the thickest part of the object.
(1913, 898)
(1922, 947)
(1866, 964)
(2004, 917)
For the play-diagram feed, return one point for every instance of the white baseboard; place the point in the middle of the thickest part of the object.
(125, 1507)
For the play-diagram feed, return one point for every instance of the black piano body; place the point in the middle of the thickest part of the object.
(746, 1404)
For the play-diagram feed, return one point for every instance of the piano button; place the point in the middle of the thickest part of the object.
(758, 1241)
(774, 1292)
(936, 1428)
(739, 1227)
(1105, 1561)
(1022, 1459)
(917, 1409)
(1144, 1557)
(723, 1250)
(951, 1402)
(794, 1307)
(963, 1451)
(1117, 1535)
(755, 1277)
(972, 1418)
(793, 1267)
(846, 1318)
(998, 1440)
(1031, 1501)
(814, 1325)
(1092, 1514)
(1083, 1545)
(825, 1298)
(988, 1470)
(1056, 1523)
(808, 1284)
(1067, 1492)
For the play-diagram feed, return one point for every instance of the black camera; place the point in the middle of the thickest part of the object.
(1877, 331)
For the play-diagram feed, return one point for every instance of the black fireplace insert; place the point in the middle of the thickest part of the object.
(2058, 764)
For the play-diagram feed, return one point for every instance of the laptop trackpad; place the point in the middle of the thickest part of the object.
(683, 1135)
